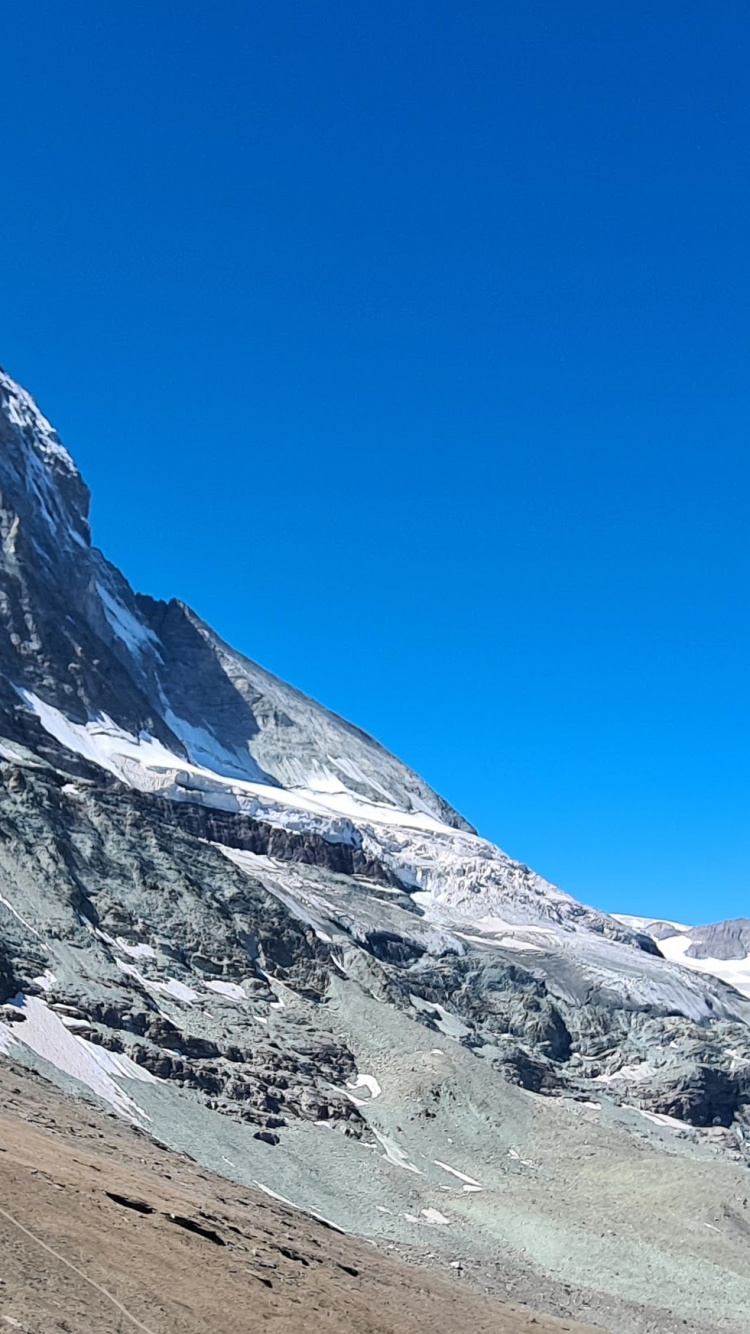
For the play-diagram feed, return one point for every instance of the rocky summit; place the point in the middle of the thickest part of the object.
(236, 921)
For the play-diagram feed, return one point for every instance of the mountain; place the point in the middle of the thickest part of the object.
(236, 920)
(721, 949)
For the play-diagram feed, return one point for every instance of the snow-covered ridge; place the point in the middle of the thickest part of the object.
(21, 411)
(144, 763)
(40, 487)
(457, 879)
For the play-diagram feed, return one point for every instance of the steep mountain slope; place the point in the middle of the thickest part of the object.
(238, 921)
(80, 639)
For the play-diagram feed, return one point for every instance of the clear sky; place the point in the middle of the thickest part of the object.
(409, 343)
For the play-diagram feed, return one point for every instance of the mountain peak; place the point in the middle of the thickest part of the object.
(86, 647)
(44, 502)
(22, 412)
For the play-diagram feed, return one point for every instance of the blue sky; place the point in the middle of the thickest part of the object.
(409, 344)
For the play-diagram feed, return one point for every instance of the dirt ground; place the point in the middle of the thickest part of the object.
(102, 1231)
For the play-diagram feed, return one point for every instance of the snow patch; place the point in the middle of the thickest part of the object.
(47, 981)
(274, 1195)
(394, 1154)
(660, 1118)
(19, 918)
(133, 633)
(135, 951)
(449, 1024)
(502, 942)
(734, 971)
(206, 752)
(367, 1082)
(44, 1033)
(470, 1181)
(515, 1157)
(23, 412)
(102, 742)
(643, 923)
(177, 990)
(229, 989)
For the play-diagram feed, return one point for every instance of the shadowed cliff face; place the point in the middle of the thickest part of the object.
(239, 922)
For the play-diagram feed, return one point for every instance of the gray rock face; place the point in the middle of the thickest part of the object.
(217, 895)
(723, 940)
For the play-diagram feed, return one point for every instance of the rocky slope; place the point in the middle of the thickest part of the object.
(238, 921)
(100, 1231)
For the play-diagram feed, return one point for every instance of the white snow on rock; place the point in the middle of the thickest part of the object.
(46, 981)
(367, 1082)
(465, 887)
(274, 1195)
(449, 1024)
(176, 989)
(207, 753)
(502, 942)
(172, 987)
(470, 1181)
(362, 1081)
(139, 951)
(229, 989)
(124, 624)
(394, 1154)
(7, 904)
(635, 1074)
(104, 743)
(736, 972)
(643, 923)
(515, 1157)
(660, 1118)
(44, 1033)
(23, 412)
(281, 757)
